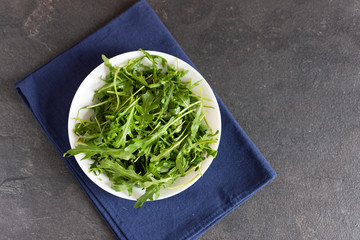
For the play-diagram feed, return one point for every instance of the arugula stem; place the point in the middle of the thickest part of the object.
(97, 105)
(115, 88)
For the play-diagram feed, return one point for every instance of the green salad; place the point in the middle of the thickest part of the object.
(147, 128)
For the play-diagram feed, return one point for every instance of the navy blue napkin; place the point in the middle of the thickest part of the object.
(237, 173)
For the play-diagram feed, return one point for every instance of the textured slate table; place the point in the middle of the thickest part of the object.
(289, 71)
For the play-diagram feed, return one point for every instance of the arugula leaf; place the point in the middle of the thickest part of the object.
(196, 123)
(107, 62)
(126, 130)
(92, 150)
(117, 170)
(147, 107)
(149, 195)
(166, 152)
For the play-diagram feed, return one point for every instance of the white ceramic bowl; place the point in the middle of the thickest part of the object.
(84, 96)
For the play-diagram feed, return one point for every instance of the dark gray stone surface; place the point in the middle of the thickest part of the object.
(289, 71)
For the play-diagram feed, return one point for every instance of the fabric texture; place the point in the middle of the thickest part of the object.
(238, 171)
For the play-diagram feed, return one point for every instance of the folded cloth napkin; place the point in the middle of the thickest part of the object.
(238, 171)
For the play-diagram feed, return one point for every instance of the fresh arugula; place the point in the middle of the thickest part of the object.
(147, 129)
